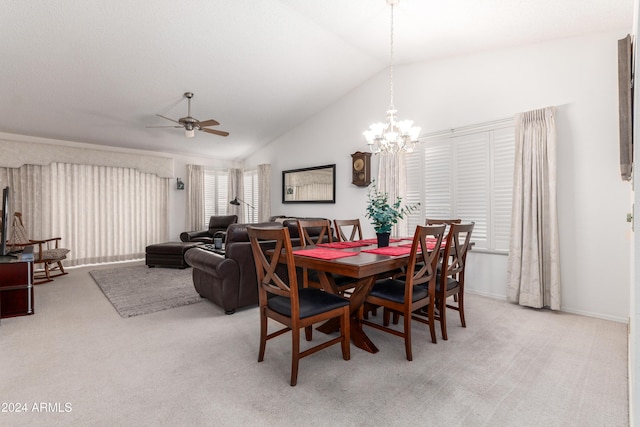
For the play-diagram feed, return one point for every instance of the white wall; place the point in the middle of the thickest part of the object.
(577, 75)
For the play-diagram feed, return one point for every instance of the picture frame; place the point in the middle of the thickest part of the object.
(309, 185)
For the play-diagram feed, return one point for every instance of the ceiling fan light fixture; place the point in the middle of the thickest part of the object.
(189, 133)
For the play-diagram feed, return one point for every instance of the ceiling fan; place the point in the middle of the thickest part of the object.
(190, 124)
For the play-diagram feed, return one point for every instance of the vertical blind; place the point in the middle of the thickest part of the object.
(466, 174)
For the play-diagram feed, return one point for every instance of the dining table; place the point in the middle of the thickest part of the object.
(361, 260)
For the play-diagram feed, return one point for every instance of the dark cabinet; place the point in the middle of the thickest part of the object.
(16, 287)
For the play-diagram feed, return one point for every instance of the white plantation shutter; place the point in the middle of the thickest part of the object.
(503, 160)
(466, 174)
(472, 183)
(251, 196)
(215, 193)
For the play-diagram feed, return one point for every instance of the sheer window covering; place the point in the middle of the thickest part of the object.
(102, 213)
(195, 184)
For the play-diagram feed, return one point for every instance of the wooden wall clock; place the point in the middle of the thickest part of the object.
(361, 169)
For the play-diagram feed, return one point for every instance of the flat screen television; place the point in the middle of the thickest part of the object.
(5, 229)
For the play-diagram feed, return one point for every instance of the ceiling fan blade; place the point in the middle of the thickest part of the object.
(164, 126)
(171, 120)
(210, 122)
(216, 132)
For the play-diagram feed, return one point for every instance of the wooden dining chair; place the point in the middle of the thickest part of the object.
(296, 308)
(450, 282)
(344, 226)
(415, 291)
(321, 229)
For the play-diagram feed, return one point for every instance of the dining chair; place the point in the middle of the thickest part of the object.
(323, 234)
(416, 290)
(296, 308)
(321, 228)
(343, 226)
(450, 281)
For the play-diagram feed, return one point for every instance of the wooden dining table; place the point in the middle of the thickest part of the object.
(365, 268)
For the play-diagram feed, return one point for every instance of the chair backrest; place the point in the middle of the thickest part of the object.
(448, 222)
(424, 255)
(455, 252)
(321, 228)
(271, 279)
(343, 225)
(19, 235)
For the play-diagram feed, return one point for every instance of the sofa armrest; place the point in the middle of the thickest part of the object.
(188, 236)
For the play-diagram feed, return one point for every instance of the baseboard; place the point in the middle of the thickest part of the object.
(563, 309)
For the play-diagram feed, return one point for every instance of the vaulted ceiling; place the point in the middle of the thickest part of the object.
(99, 71)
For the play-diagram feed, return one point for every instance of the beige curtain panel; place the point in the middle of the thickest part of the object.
(534, 253)
(195, 198)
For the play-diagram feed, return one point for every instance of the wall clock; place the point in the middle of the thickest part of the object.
(361, 169)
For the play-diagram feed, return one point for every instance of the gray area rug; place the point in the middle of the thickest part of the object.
(142, 290)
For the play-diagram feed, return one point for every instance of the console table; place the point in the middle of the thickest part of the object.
(16, 287)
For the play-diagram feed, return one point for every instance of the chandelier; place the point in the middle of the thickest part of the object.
(392, 136)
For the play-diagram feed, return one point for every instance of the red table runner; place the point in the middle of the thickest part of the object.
(324, 253)
(375, 241)
(390, 250)
(342, 245)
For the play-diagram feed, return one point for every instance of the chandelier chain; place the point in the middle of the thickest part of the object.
(392, 136)
(391, 61)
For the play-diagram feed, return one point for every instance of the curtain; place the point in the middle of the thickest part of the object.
(533, 267)
(392, 179)
(236, 189)
(195, 197)
(264, 192)
(102, 213)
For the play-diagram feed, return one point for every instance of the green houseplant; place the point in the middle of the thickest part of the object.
(384, 215)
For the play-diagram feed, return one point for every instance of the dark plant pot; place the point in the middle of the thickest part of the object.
(383, 239)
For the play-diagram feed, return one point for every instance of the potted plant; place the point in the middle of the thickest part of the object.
(384, 215)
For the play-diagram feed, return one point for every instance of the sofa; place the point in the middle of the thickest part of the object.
(230, 280)
(217, 228)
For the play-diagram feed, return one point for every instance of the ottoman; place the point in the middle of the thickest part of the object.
(169, 254)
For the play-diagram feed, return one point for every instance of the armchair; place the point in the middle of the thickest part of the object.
(217, 228)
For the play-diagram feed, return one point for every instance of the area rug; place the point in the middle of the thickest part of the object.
(142, 290)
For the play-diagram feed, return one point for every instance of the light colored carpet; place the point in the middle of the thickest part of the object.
(137, 290)
(196, 366)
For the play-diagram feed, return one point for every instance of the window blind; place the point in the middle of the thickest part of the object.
(467, 174)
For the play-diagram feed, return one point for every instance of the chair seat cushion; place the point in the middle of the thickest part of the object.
(312, 301)
(56, 254)
(393, 290)
(451, 283)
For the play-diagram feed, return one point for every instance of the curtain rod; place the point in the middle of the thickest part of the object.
(468, 130)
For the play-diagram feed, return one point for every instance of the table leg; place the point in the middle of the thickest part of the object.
(361, 290)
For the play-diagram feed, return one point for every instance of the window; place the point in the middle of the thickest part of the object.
(251, 196)
(468, 174)
(215, 193)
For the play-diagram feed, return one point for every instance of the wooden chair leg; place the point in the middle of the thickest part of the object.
(443, 318)
(432, 323)
(263, 336)
(407, 336)
(461, 309)
(308, 333)
(295, 355)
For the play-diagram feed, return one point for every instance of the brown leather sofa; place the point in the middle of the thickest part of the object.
(217, 228)
(229, 280)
